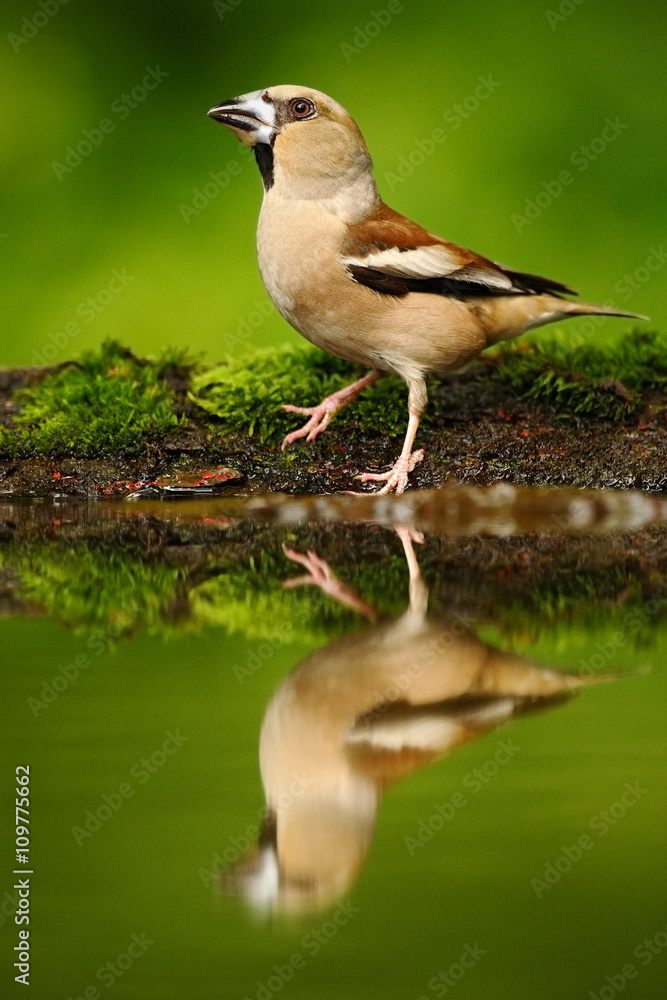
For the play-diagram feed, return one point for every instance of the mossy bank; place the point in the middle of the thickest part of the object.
(540, 414)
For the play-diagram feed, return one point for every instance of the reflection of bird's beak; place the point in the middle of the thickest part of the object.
(251, 117)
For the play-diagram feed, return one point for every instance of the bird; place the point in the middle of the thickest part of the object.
(363, 282)
(362, 713)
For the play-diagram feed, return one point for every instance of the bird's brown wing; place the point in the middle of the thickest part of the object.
(393, 255)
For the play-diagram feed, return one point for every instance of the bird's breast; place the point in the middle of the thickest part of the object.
(296, 247)
(299, 249)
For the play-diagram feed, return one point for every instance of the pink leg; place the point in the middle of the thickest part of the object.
(397, 477)
(320, 575)
(320, 416)
(418, 591)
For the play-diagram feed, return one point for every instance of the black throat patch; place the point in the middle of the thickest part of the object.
(264, 156)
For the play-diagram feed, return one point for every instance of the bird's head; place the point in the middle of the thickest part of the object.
(303, 140)
(306, 858)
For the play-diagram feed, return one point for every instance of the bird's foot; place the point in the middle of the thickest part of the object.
(319, 572)
(408, 535)
(320, 575)
(320, 418)
(396, 478)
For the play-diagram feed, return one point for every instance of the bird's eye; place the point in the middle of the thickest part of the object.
(301, 107)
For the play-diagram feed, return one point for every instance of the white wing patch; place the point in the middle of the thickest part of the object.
(421, 733)
(429, 731)
(428, 262)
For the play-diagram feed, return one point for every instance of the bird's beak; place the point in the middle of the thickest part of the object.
(251, 117)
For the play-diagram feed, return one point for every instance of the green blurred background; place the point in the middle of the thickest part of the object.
(556, 78)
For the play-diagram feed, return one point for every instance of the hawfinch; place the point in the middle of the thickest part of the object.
(361, 714)
(361, 281)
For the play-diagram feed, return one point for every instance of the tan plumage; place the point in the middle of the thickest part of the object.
(362, 281)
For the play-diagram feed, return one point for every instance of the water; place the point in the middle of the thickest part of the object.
(307, 747)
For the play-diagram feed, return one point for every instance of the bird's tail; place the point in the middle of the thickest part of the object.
(584, 309)
(510, 316)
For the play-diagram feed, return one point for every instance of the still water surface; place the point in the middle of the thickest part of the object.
(327, 747)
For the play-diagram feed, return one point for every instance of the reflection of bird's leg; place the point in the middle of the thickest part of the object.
(418, 589)
(320, 575)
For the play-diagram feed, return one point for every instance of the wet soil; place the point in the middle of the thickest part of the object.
(477, 432)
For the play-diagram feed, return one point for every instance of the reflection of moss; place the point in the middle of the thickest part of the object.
(88, 585)
(109, 402)
(251, 599)
(580, 594)
(116, 585)
(603, 381)
(273, 614)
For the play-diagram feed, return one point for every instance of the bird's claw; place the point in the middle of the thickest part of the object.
(319, 572)
(320, 418)
(320, 575)
(409, 534)
(397, 477)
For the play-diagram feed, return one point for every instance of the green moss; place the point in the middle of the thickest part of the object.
(607, 382)
(9, 444)
(610, 382)
(246, 393)
(110, 401)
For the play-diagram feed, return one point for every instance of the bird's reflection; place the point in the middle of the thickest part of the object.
(360, 714)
